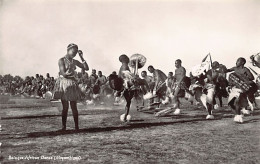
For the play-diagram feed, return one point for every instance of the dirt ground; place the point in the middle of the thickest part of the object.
(30, 135)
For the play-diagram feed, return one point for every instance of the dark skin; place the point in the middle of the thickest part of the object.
(71, 53)
(151, 70)
(128, 93)
(242, 70)
(100, 75)
(124, 67)
(212, 79)
(93, 72)
(245, 73)
(178, 65)
(143, 74)
(159, 85)
(67, 73)
(213, 76)
(176, 100)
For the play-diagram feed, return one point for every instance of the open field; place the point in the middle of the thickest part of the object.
(30, 128)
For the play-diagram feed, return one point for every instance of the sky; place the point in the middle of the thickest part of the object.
(35, 34)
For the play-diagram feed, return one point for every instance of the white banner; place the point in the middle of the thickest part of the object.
(199, 69)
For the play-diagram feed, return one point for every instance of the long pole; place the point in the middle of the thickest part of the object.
(136, 66)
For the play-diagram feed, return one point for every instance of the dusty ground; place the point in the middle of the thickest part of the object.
(29, 129)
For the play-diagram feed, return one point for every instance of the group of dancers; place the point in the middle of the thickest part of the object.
(202, 86)
(240, 88)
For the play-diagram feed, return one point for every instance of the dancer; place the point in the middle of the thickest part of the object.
(240, 93)
(159, 79)
(66, 87)
(180, 73)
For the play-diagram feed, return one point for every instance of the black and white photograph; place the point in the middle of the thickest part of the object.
(130, 81)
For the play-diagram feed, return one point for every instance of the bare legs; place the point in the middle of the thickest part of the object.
(73, 105)
(64, 114)
(128, 97)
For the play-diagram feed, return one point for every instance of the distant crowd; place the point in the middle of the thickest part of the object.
(38, 85)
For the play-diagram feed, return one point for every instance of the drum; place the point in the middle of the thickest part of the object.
(235, 80)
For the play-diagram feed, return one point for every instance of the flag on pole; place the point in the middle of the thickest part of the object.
(203, 67)
(204, 59)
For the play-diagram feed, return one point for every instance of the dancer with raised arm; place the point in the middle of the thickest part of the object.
(66, 87)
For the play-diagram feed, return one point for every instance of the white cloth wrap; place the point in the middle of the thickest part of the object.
(234, 93)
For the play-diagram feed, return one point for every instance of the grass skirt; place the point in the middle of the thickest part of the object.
(67, 89)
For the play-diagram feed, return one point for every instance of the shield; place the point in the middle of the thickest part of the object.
(255, 59)
(137, 61)
(236, 80)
